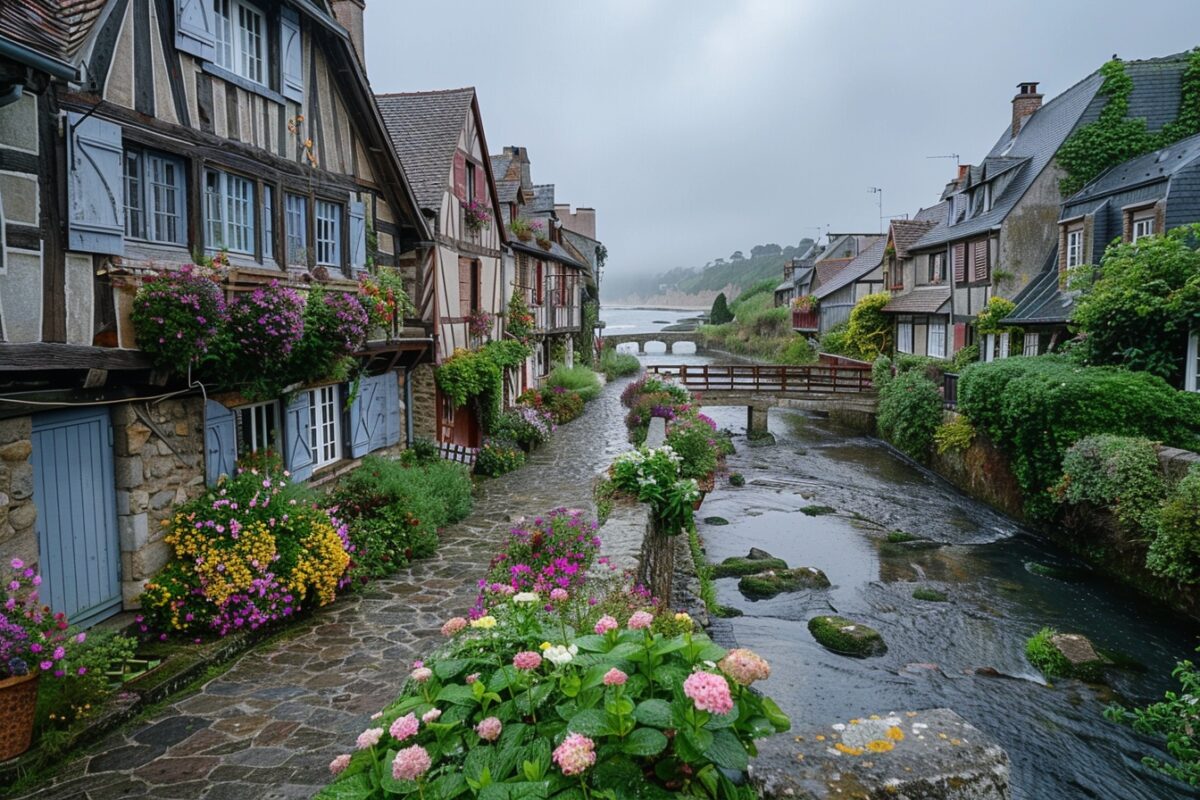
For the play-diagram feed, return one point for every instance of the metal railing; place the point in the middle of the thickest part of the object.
(771, 379)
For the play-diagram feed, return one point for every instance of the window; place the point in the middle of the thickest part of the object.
(1074, 247)
(904, 336)
(1192, 373)
(324, 426)
(1143, 227)
(240, 39)
(937, 268)
(539, 283)
(229, 212)
(987, 197)
(1031, 344)
(1003, 345)
(936, 340)
(258, 427)
(154, 197)
(470, 182)
(329, 234)
(268, 223)
(296, 228)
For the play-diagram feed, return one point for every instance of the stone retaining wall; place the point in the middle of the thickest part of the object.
(18, 514)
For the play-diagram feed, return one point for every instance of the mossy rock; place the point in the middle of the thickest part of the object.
(715, 521)
(726, 612)
(737, 479)
(764, 585)
(929, 595)
(737, 566)
(900, 537)
(818, 511)
(1065, 655)
(847, 637)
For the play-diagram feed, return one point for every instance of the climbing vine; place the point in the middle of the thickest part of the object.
(478, 375)
(1114, 137)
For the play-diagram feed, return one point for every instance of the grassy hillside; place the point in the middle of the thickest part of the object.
(716, 276)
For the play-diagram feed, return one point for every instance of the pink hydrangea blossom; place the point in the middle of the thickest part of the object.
(559, 595)
(744, 666)
(453, 626)
(640, 620)
(339, 764)
(614, 677)
(708, 692)
(411, 763)
(489, 729)
(404, 727)
(422, 674)
(606, 624)
(527, 660)
(431, 715)
(369, 738)
(575, 755)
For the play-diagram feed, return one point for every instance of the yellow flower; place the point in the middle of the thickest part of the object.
(485, 622)
(848, 750)
(544, 646)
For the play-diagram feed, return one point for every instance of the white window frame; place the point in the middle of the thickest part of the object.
(1031, 345)
(1004, 341)
(940, 338)
(325, 425)
(328, 219)
(295, 228)
(904, 337)
(1142, 226)
(1192, 373)
(155, 197)
(229, 205)
(268, 221)
(258, 421)
(1074, 247)
(240, 31)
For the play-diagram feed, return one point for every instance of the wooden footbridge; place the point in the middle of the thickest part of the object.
(832, 388)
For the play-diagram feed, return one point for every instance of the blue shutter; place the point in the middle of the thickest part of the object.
(220, 441)
(392, 429)
(194, 28)
(95, 186)
(291, 55)
(361, 419)
(358, 236)
(298, 457)
(379, 412)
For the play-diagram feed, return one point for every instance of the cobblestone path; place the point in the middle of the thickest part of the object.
(268, 727)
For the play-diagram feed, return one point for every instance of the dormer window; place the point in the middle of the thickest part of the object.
(1142, 226)
(987, 197)
(1074, 247)
(240, 38)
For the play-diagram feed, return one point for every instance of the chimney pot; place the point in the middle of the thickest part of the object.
(1026, 101)
(350, 14)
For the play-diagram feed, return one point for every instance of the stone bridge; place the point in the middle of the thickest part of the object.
(668, 338)
(843, 391)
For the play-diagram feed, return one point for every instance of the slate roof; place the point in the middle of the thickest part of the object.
(424, 128)
(508, 188)
(828, 269)
(543, 197)
(1042, 301)
(556, 252)
(867, 260)
(919, 301)
(1156, 166)
(905, 233)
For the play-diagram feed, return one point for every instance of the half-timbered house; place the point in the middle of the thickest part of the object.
(138, 136)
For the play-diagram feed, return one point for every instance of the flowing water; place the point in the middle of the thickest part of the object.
(966, 654)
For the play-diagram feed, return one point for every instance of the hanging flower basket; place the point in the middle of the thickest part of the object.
(18, 703)
(544, 243)
(476, 215)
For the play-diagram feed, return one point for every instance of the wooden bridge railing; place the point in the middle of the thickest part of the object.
(770, 379)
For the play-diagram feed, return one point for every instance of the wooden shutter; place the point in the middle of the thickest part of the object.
(291, 58)
(194, 28)
(979, 260)
(364, 417)
(465, 286)
(358, 236)
(379, 408)
(460, 175)
(298, 457)
(220, 441)
(959, 253)
(391, 407)
(95, 186)
(481, 192)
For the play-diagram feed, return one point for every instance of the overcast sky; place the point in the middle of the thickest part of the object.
(699, 127)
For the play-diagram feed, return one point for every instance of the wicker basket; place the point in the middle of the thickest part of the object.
(18, 703)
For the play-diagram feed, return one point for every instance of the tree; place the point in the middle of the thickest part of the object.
(1138, 307)
(720, 313)
(765, 250)
(737, 256)
(870, 330)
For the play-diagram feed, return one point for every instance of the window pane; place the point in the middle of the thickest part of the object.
(296, 229)
(328, 234)
(223, 31)
(134, 226)
(213, 211)
(268, 225)
(251, 60)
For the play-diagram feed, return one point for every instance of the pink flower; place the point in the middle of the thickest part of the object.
(614, 677)
(708, 692)
(606, 624)
(339, 764)
(640, 620)
(431, 715)
(17, 563)
(558, 595)
(527, 660)
(422, 674)
(474, 676)
(404, 727)
(576, 753)
(453, 626)
(411, 763)
(744, 666)
(369, 738)
(489, 729)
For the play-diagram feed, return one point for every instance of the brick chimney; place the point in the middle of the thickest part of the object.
(1027, 101)
(350, 14)
(963, 171)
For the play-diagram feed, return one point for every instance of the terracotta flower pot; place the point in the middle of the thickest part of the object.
(18, 702)
(544, 244)
(524, 236)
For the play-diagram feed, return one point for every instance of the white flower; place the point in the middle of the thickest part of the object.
(559, 655)
(526, 597)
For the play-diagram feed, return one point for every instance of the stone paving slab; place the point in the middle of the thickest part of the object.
(270, 725)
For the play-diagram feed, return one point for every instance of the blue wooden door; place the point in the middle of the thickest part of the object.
(80, 554)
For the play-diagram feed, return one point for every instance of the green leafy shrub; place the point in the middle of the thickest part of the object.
(1035, 408)
(579, 379)
(910, 410)
(720, 313)
(563, 404)
(528, 427)
(616, 365)
(694, 440)
(881, 371)
(957, 434)
(989, 318)
(836, 341)
(797, 352)
(1175, 551)
(497, 457)
(422, 451)
(737, 479)
(1116, 472)
(930, 367)
(91, 673)
(654, 476)
(870, 330)
(1175, 719)
(966, 357)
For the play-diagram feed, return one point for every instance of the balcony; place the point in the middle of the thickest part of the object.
(806, 321)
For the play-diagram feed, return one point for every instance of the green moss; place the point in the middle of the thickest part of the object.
(715, 521)
(900, 537)
(737, 566)
(737, 479)
(1050, 661)
(767, 584)
(929, 595)
(726, 612)
(817, 511)
(847, 637)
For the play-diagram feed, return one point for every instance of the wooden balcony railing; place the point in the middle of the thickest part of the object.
(809, 320)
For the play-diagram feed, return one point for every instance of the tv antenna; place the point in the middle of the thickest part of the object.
(878, 192)
(951, 155)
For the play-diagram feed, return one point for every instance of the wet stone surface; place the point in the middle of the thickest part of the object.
(271, 724)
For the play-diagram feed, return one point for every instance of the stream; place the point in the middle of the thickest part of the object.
(966, 654)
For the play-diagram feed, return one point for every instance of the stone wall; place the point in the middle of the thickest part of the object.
(158, 455)
(18, 536)
(424, 402)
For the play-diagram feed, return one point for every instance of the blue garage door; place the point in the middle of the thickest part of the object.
(80, 556)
